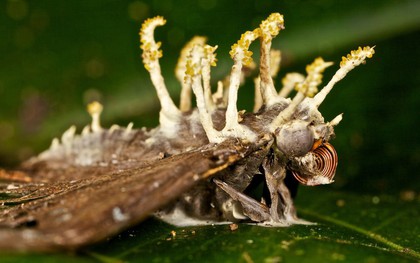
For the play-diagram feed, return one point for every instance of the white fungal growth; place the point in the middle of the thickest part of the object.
(118, 215)
(95, 110)
(68, 135)
(55, 144)
(275, 59)
(196, 61)
(86, 130)
(128, 129)
(319, 180)
(354, 59)
(309, 86)
(209, 60)
(151, 54)
(218, 96)
(269, 29)
(113, 128)
(177, 217)
(336, 120)
(289, 83)
(185, 98)
(241, 56)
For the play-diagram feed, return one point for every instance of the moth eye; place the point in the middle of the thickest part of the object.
(326, 161)
(294, 138)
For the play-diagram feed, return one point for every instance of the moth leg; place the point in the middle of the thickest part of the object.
(282, 208)
(255, 210)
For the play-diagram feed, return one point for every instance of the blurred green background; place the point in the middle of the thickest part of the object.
(56, 56)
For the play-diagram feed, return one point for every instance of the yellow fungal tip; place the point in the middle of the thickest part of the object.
(272, 25)
(94, 108)
(357, 57)
(150, 48)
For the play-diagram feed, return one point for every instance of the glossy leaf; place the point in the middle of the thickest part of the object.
(46, 48)
(349, 228)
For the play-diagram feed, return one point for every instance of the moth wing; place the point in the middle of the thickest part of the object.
(70, 214)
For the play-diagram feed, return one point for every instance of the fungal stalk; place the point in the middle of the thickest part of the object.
(306, 88)
(151, 53)
(241, 55)
(275, 59)
(95, 110)
(185, 97)
(289, 82)
(197, 72)
(354, 59)
(269, 29)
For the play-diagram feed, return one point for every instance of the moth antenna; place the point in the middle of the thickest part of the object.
(307, 88)
(185, 98)
(241, 56)
(95, 110)
(354, 59)
(269, 29)
(197, 60)
(151, 54)
(289, 82)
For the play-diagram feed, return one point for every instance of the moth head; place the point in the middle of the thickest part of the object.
(295, 138)
(311, 159)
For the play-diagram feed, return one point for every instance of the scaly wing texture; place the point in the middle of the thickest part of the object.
(59, 215)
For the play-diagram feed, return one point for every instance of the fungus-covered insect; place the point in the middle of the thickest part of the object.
(199, 166)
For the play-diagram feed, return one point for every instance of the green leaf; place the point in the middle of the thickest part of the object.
(349, 228)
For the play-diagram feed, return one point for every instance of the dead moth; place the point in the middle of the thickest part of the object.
(200, 165)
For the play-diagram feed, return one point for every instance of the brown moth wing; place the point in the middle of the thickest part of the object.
(70, 214)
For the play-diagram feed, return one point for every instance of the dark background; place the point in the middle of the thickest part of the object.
(56, 56)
